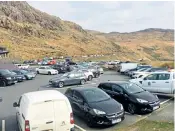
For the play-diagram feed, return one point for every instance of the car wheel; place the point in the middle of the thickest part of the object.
(60, 84)
(82, 82)
(131, 108)
(3, 84)
(89, 121)
(49, 73)
(37, 72)
(90, 78)
(97, 75)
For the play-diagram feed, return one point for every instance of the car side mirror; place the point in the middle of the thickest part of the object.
(15, 104)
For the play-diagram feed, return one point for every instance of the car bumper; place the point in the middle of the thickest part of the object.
(108, 119)
(149, 107)
(9, 82)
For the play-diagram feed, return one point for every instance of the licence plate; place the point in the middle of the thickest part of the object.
(155, 108)
(116, 121)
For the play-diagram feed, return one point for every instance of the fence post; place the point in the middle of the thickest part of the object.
(3, 125)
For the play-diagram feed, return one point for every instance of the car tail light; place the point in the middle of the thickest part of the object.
(71, 118)
(27, 125)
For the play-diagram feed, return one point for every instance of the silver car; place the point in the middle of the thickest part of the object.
(71, 78)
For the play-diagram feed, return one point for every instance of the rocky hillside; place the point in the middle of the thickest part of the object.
(29, 34)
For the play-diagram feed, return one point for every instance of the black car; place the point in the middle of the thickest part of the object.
(61, 68)
(7, 78)
(95, 106)
(28, 75)
(133, 98)
(19, 77)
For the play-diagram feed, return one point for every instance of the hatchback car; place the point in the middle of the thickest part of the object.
(71, 78)
(133, 97)
(95, 106)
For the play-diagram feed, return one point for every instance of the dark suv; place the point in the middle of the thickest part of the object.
(7, 78)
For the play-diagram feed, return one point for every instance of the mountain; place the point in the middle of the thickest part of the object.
(30, 34)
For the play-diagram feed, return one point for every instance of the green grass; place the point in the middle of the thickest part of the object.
(145, 125)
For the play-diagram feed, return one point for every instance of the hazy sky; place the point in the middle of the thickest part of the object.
(112, 16)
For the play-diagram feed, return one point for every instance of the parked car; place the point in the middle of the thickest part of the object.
(22, 66)
(130, 72)
(133, 98)
(95, 71)
(89, 75)
(41, 111)
(157, 82)
(19, 77)
(28, 75)
(95, 106)
(71, 78)
(46, 70)
(7, 78)
(60, 68)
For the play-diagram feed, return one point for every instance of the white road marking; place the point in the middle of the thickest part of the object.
(80, 128)
(163, 102)
(3, 125)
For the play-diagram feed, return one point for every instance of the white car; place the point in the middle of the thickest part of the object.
(157, 82)
(89, 75)
(44, 111)
(46, 70)
(22, 66)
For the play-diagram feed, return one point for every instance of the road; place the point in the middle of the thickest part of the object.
(11, 94)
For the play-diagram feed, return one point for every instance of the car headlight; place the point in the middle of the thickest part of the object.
(98, 112)
(142, 101)
(8, 78)
(121, 107)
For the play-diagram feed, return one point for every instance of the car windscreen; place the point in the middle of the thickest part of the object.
(131, 88)
(5, 72)
(95, 95)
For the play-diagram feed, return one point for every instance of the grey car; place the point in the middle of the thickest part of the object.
(71, 78)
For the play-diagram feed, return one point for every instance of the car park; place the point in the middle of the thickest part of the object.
(133, 98)
(157, 82)
(46, 70)
(41, 110)
(71, 78)
(95, 106)
(28, 75)
(7, 78)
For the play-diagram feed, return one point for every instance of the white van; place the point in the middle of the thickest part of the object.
(44, 111)
(126, 66)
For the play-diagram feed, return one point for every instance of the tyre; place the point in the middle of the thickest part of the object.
(89, 121)
(89, 78)
(37, 72)
(49, 73)
(82, 82)
(3, 84)
(97, 75)
(60, 84)
(131, 108)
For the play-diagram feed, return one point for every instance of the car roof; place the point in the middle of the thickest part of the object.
(81, 89)
(115, 82)
(41, 96)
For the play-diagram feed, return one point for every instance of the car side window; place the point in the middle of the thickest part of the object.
(41, 68)
(117, 88)
(152, 77)
(71, 75)
(106, 86)
(69, 93)
(77, 96)
(164, 76)
(19, 102)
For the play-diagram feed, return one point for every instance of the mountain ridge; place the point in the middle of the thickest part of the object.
(32, 34)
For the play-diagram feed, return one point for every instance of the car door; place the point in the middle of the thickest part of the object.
(149, 82)
(164, 83)
(118, 94)
(78, 103)
(70, 79)
(41, 70)
(107, 87)
(77, 78)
